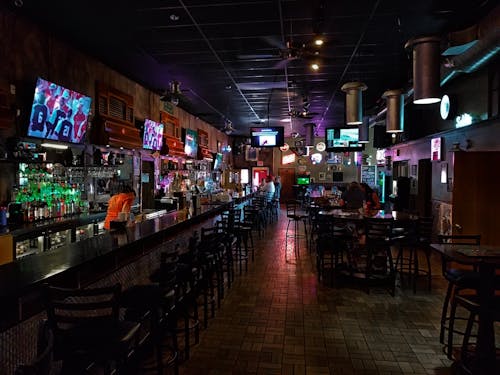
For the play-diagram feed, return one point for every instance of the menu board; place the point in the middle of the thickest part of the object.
(369, 175)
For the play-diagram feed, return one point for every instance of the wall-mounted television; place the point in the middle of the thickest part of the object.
(303, 180)
(343, 139)
(271, 136)
(190, 143)
(217, 161)
(58, 113)
(153, 135)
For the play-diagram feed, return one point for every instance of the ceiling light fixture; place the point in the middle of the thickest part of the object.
(54, 145)
(315, 66)
(363, 131)
(394, 118)
(318, 41)
(426, 69)
(354, 102)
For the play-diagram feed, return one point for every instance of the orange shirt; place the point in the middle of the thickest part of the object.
(118, 203)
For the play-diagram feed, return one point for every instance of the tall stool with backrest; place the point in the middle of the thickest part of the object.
(295, 215)
(87, 328)
(379, 264)
(417, 241)
(459, 279)
(42, 364)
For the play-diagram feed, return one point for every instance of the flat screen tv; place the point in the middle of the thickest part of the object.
(191, 143)
(58, 113)
(153, 135)
(271, 136)
(303, 180)
(343, 139)
(217, 161)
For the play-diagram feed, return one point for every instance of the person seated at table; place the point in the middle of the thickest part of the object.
(353, 197)
(371, 197)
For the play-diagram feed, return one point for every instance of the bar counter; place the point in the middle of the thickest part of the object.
(81, 263)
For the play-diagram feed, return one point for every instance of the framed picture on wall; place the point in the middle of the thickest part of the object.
(322, 176)
(251, 153)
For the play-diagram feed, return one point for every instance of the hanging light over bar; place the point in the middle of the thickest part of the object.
(354, 102)
(426, 69)
(309, 133)
(394, 119)
(363, 131)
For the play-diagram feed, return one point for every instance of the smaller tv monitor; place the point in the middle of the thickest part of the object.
(153, 135)
(58, 113)
(343, 139)
(191, 143)
(217, 161)
(338, 176)
(304, 180)
(271, 136)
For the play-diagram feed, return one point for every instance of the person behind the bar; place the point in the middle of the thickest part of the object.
(121, 202)
(353, 197)
(269, 188)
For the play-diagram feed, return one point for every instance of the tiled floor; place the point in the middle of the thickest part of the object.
(277, 319)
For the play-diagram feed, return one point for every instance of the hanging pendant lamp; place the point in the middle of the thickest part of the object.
(363, 131)
(426, 69)
(354, 102)
(309, 133)
(394, 119)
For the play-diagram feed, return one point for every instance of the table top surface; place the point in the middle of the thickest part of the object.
(470, 254)
(375, 214)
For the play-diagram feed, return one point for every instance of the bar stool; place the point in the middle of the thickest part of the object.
(42, 364)
(379, 263)
(87, 329)
(295, 216)
(459, 279)
(415, 240)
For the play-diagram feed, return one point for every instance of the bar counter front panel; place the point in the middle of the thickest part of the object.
(126, 256)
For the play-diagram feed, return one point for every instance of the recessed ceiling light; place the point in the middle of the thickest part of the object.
(318, 42)
(314, 66)
(174, 17)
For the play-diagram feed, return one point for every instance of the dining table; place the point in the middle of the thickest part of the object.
(487, 260)
(359, 215)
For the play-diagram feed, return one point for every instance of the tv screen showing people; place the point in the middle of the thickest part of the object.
(153, 135)
(191, 143)
(58, 113)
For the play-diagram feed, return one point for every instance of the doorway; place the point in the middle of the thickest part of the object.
(287, 181)
(474, 191)
(147, 183)
(258, 174)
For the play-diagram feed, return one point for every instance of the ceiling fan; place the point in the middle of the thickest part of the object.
(173, 94)
(228, 127)
(288, 51)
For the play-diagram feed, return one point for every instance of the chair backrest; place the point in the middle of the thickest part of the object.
(291, 207)
(168, 269)
(42, 364)
(460, 239)
(424, 229)
(74, 314)
(378, 231)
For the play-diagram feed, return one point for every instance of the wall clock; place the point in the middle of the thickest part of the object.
(444, 107)
(320, 146)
